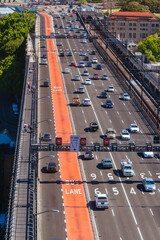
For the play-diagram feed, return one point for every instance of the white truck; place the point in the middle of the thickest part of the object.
(127, 168)
(101, 201)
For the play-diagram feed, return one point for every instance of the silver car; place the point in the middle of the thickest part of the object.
(149, 185)
(107, 163)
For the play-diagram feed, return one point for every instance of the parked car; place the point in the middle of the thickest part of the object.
(46, 84)
(89, 64)
(96, 76)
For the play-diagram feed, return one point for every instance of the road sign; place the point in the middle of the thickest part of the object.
(74, 143)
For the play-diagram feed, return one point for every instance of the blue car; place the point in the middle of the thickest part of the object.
(109, 104)
(72, 29)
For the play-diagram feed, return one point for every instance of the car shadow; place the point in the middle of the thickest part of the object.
(92, 206)
(87, 129)
(140, 187)
(44, 170)
(117, 172)
(100, 166)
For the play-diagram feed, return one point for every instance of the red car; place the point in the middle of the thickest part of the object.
(96, 76)
(73, 64)
(71, 15)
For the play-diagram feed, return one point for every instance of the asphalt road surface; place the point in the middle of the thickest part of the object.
(133, 213)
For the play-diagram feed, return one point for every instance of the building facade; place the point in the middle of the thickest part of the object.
(134, 26)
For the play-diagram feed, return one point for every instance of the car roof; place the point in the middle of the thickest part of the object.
(148, 179)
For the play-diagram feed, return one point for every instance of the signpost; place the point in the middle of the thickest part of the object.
(74, 143)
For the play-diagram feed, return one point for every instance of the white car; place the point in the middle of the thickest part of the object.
(88, 155)
(133, 128)
(66, 70)
(94, 60)
(101, 201)
(86, 102)
(125, 135)
(83, 53)
(77, 78)
(66, 27)
(84, 40)
(81, 64)
(57, 32)
(148, 154)
(76, 27)
(110, 89)
(81, 28)
(80, 90)
(126, 96)
(44, 61)
(105, 77)
(88, 82)
(85, 73)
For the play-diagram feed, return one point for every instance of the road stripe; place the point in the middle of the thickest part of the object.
(75, 205)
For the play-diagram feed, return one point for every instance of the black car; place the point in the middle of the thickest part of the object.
(103, 94)
(70, 54)
(93, 52)
(93, 126)
(44, 56)
(86, 58)
(62, 54)
(46, 84)
(61, 27)
(99, 67)
(89, 64)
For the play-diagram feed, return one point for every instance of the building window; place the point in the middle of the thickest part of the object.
(134, 29)
(130, 35)
(134, 24)
(153, 29)
(153, 25)
(157, 25)
(112, 28)
(130, 29)
(112, 23)
(130, 24)
(134, 35)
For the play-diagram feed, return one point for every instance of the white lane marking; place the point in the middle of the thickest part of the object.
(101, 173)
(117, 112)
(140, 233)
(122, 121)
(129, 113)
(149, 173)
(151, 212)
(106, 191)
(85, 121)
(130, 207)
(113, 213)
(110, 120)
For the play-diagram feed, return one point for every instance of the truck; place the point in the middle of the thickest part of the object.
(76, 101)
(127, 168)
(101, 201)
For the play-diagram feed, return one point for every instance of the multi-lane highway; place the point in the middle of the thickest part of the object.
(133, 213)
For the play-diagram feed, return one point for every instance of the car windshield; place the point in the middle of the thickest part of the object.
(128, 167)
(150, 182)
(125, 133)
(47, 134)
(107, 161)
(134, 126)
(102, 199)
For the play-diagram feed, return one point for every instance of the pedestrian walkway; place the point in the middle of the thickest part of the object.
(22, 214)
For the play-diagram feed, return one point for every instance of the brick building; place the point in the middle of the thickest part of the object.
(134, 26)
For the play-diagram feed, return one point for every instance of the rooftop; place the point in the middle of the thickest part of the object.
(133, 15)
